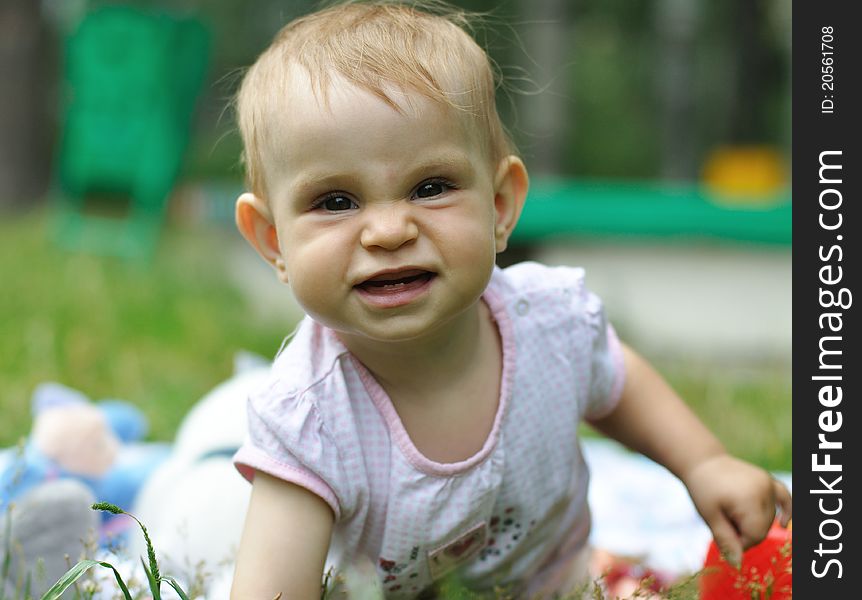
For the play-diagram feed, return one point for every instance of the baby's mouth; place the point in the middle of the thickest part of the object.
(396, 282)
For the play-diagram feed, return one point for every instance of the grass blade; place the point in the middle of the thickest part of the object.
(154, 583)
(76, 572)
(151, 553)
(120, 582)
(173, 583)
(70, 577)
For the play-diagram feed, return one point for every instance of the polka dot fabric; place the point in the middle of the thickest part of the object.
(515, 513)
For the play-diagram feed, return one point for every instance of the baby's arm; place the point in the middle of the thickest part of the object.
(284, 542)
(736, 499)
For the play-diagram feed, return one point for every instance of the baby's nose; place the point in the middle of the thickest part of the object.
(389, 227)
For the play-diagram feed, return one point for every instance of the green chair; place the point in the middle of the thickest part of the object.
(131, 82)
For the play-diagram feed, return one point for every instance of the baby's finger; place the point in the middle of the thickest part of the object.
(726, 538)
(784, 501)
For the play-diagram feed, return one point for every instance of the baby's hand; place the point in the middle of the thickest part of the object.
(737, 500)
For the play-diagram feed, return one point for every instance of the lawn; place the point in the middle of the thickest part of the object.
(161, 334)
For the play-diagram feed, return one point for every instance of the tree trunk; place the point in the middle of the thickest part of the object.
(677, 23)
(544, 115)
(24, 148)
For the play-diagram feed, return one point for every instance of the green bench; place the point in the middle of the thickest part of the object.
(565, 208)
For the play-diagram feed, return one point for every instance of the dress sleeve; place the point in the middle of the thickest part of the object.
(605, 358)
(287, 439)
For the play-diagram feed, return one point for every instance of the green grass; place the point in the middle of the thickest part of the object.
(159, 334)
(686, 588)
(450, 588)
(749, 409)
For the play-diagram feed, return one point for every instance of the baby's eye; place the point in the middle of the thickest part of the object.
(429, 189)
(336, 203)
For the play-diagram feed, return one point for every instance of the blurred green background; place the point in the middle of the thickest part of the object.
(687, 97)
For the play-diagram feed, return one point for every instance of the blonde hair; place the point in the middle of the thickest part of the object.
(375, 45)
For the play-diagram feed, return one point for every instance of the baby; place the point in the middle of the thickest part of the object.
(424, 416)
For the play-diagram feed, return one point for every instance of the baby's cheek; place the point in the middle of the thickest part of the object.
(310, 277)
(314, 292)
(476, 247)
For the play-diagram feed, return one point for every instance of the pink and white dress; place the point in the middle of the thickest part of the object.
(514, 513)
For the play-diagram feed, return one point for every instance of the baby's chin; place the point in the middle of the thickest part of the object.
(400, 329)
(395, 330)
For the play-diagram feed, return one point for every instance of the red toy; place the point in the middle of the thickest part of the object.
(766, 572)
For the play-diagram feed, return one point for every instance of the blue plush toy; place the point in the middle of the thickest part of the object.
(98, 444)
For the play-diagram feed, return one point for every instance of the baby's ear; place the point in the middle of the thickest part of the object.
(255, 222)
(510, 191)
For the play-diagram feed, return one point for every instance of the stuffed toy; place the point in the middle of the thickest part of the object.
(188, 494)
(96, 444)
(46, 524)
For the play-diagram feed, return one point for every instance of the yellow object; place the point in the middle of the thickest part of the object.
(744, 173)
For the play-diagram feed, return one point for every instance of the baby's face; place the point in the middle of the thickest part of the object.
(385, 220)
